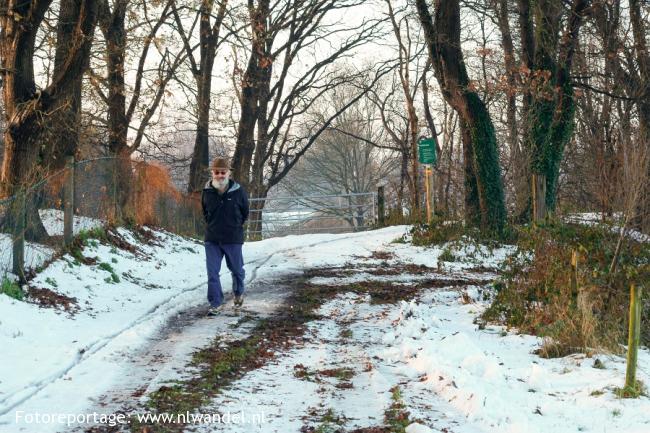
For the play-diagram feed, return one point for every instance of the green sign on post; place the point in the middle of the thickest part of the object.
(427, 150)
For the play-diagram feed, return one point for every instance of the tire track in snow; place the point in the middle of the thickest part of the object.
(87, 352)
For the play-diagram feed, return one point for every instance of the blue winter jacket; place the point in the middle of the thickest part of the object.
(225, 214)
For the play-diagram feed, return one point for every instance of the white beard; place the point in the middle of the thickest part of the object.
(220, 185)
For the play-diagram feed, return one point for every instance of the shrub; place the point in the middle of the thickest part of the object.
(447, 256)
(438, 232)
(539, 292)
(95, 233)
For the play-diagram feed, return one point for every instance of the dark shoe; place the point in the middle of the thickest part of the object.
(239, 300)
(214, 311)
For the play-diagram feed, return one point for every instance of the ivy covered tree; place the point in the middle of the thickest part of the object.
(549, 118)
(484, 196)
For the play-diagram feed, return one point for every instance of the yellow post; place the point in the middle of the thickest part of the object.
(574, 272)
(633, 337)
(539, 197)
(428, 187)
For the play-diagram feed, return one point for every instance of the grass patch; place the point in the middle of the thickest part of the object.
(50, 299)
(346, 333)
(635, 391)
(114, 278)
(328, 422)
(94, 234)
(440, 231)
(12, 289)
(396, 416)
(341, 373)
(303, 373)
(388, 292)
(106, 267)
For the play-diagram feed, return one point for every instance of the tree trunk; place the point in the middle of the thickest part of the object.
(472, 202)
(42, 126)
(115, 35)
(60, 131)
(208, 44)
(258, 188)
(518, 162)
(250, 94)
(642, 219)
(201, 153)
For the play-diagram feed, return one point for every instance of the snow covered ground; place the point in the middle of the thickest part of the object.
(36, 254)
(451, 376)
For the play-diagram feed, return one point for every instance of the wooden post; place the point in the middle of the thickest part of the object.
(539, 197)
(116, 212)
(432, 190)
(68, 203)
(381, 202)
(18, 253)
(574, 272)
(431, 193)
(428, 188)
(634, 336)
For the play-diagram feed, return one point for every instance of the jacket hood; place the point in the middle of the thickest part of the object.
(234, 186)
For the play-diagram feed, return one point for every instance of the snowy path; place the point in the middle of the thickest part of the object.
(166, 355)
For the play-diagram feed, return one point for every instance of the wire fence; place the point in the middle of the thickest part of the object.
(279, 216)
(41, 221)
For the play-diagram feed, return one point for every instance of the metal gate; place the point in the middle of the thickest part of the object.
(279, 216)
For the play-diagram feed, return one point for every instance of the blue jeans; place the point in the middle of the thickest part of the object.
(214, 253)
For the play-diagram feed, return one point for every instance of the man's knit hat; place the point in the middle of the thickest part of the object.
(220, 163)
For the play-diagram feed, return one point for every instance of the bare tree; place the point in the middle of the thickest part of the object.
(276, 95)
(409, 49)
(270, 106)
(346, 158)
(113, 89)
(339, 165)
(641, 90)
(201, 69)
(30, 112)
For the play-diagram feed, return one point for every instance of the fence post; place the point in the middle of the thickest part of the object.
(117, 211)
(428, 187)
(633, 338)
(18, 253)
(574, 272)
(68, 203)
(381, 201)
(539, 197)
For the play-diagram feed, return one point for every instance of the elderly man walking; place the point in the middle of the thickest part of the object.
(225, 209)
